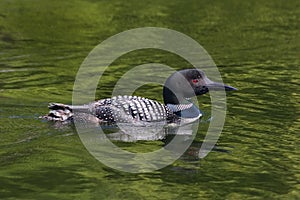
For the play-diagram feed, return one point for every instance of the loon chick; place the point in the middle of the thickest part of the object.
(178, 88)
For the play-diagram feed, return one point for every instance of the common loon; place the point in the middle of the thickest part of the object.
(177, 91)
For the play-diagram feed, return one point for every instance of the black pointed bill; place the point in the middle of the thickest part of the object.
(219, 86)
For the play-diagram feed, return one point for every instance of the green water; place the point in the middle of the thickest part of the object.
(256, 46)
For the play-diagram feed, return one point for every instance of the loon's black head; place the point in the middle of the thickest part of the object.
(188, 83)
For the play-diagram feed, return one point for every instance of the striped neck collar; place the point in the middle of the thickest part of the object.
(179, 107)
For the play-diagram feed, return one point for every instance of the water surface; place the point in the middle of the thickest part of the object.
(256, 47)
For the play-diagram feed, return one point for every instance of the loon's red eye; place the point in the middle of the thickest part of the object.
(195, 80)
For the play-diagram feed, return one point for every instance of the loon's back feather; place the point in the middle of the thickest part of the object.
(124, 109)
(130, 108)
